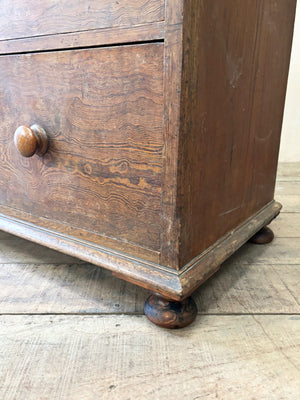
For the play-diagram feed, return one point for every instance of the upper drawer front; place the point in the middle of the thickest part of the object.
(102, 110)
(24, 18)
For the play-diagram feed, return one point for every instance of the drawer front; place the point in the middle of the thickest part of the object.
(23, 18)
(102, 110)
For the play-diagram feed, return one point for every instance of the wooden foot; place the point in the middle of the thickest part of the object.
(169, 313)
(264, 236)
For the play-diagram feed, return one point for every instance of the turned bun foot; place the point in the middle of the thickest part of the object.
(264, 236)
(169, 313)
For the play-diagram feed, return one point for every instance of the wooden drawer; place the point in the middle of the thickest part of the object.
(23, 18)
(102, 110)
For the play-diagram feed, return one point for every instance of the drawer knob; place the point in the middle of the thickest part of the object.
(30, 141)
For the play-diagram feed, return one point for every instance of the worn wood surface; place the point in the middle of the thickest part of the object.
(288, 172)
(286, 224)
(102, 110)
(80, 288)
(24, 19)
(124, 357)
(94, 37)
(36, 279)
(171, 284)
(243, 345)
(113, 157)
(287, 192)
(235, 69)
(172, 79)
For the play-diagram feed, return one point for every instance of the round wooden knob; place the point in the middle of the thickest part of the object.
(30, 141)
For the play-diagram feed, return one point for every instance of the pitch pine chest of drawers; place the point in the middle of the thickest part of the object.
(142, 135)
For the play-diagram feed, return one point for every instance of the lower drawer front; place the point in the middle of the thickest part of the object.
(102, 110)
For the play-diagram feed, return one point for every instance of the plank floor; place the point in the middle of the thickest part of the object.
(71, 331)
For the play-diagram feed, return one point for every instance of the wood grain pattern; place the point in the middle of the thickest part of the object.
(159, 279)
(24, 19)
(82, 234)
(102, 110)
(172, 79)
(94, 37)
(64, 286)
(274, 253)
(255, 280)
(235, 67)
(170, 146)
(64, 356)
(252, 289)
(31, 253)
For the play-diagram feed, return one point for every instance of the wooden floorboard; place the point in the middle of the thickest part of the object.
(288, 194)
(286, 225)
(71, 331)
(125, 357)
(85, 289)
(288, 172)
(17, 250)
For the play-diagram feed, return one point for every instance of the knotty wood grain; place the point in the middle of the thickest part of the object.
(92, 357)
(24, 19)
(102, 110)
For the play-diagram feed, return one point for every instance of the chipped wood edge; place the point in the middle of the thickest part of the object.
(173, 284)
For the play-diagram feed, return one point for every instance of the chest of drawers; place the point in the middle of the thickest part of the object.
(142, 136)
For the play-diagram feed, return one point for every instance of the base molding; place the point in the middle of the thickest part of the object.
(175, 285)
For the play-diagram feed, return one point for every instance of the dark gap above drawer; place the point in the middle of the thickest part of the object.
(92, 38)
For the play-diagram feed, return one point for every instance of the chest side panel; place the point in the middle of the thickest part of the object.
(236, 59)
